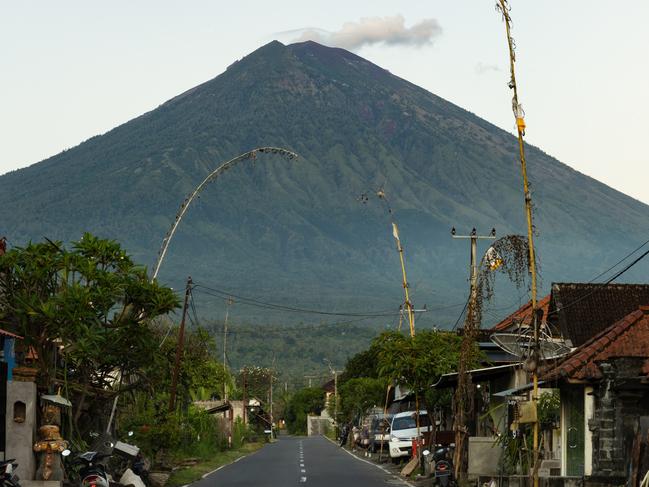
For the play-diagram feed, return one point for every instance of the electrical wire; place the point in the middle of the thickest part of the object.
(610, 280)
(619, 261)
(461, 313)
(279, 307)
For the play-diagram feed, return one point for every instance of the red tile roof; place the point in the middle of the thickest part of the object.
(628, 337)
(9, 334)
(523, 315)
(581, 311)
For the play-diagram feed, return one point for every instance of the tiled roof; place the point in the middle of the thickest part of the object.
(582, 310)
(522, 315)
(628, 337)
(9, 334)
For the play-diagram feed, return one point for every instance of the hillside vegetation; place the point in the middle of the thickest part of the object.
(297, 233)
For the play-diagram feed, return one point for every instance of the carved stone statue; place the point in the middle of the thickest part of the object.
(50, 444)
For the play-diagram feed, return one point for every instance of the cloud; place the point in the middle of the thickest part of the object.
(482, 68)
(391, 31)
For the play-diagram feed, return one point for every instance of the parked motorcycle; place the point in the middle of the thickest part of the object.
(443, 471)
(92, 472)
(7, 476)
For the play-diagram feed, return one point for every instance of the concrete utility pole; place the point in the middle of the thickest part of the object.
(468, 341)
(270, 400)
(228, 302)
(245, 397)
(179, 348)
(335, 374)
(310, 379)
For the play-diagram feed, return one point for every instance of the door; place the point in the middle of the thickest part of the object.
(572, 399)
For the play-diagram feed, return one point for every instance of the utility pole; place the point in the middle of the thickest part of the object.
(310, 379)
(179, 348)
(245, 397)
(270, 400)
(519, 115)
(228, 302)
(462, 393)
(335, 374)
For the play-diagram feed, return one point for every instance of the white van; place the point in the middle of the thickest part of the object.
(404, 429)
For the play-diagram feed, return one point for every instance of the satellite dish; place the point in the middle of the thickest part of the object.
(521, 344)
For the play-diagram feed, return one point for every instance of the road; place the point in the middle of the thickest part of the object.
(301, 462)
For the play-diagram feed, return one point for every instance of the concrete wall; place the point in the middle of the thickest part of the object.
(317, 425)
(21, 436)
(484, 456)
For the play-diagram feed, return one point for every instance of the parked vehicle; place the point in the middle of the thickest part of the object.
(92, 472)
(380, 432)
(7, 476)
(403, 430)
(344, 434)
(443, 470)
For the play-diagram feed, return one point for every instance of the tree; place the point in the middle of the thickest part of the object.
(359, 394)
(201, 375)
(418, 362)
(83, 311)
(363, 364)
(310, 400)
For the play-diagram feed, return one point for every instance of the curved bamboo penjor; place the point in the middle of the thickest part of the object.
(211, 177)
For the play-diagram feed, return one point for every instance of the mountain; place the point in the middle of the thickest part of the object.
(296, 233)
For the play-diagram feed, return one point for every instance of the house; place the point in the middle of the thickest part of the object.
(578, 319)
(604, 386)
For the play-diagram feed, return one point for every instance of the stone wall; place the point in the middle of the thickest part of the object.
(618, 409)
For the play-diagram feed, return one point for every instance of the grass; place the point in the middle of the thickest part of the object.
(191, 474)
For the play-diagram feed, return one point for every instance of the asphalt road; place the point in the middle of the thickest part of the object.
(302, 462)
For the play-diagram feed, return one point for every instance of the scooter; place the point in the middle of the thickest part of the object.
(92, 473)
(7, 476)
(443, 471)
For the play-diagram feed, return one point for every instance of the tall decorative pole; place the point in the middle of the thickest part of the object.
(211, 177)
(503, 7)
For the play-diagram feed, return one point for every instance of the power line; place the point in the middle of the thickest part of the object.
(279, 307)
(610, 280)
(620, 261)
(461, 313)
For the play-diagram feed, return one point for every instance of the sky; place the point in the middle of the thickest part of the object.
(73, 69)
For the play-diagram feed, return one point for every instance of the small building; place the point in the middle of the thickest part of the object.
(599, 373)
(604, 386)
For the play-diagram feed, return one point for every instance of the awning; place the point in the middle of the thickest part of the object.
(516, 390)
(449, 380)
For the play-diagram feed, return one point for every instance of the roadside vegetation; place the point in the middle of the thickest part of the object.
(98, 331)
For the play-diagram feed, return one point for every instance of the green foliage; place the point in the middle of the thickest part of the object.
(517, 452)
(360, 394)
(419, 361)
(84, 311)
(194, 433)
(201, 376)
(363, 364)
(549, 408)
(292, 351)
(306, 401)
